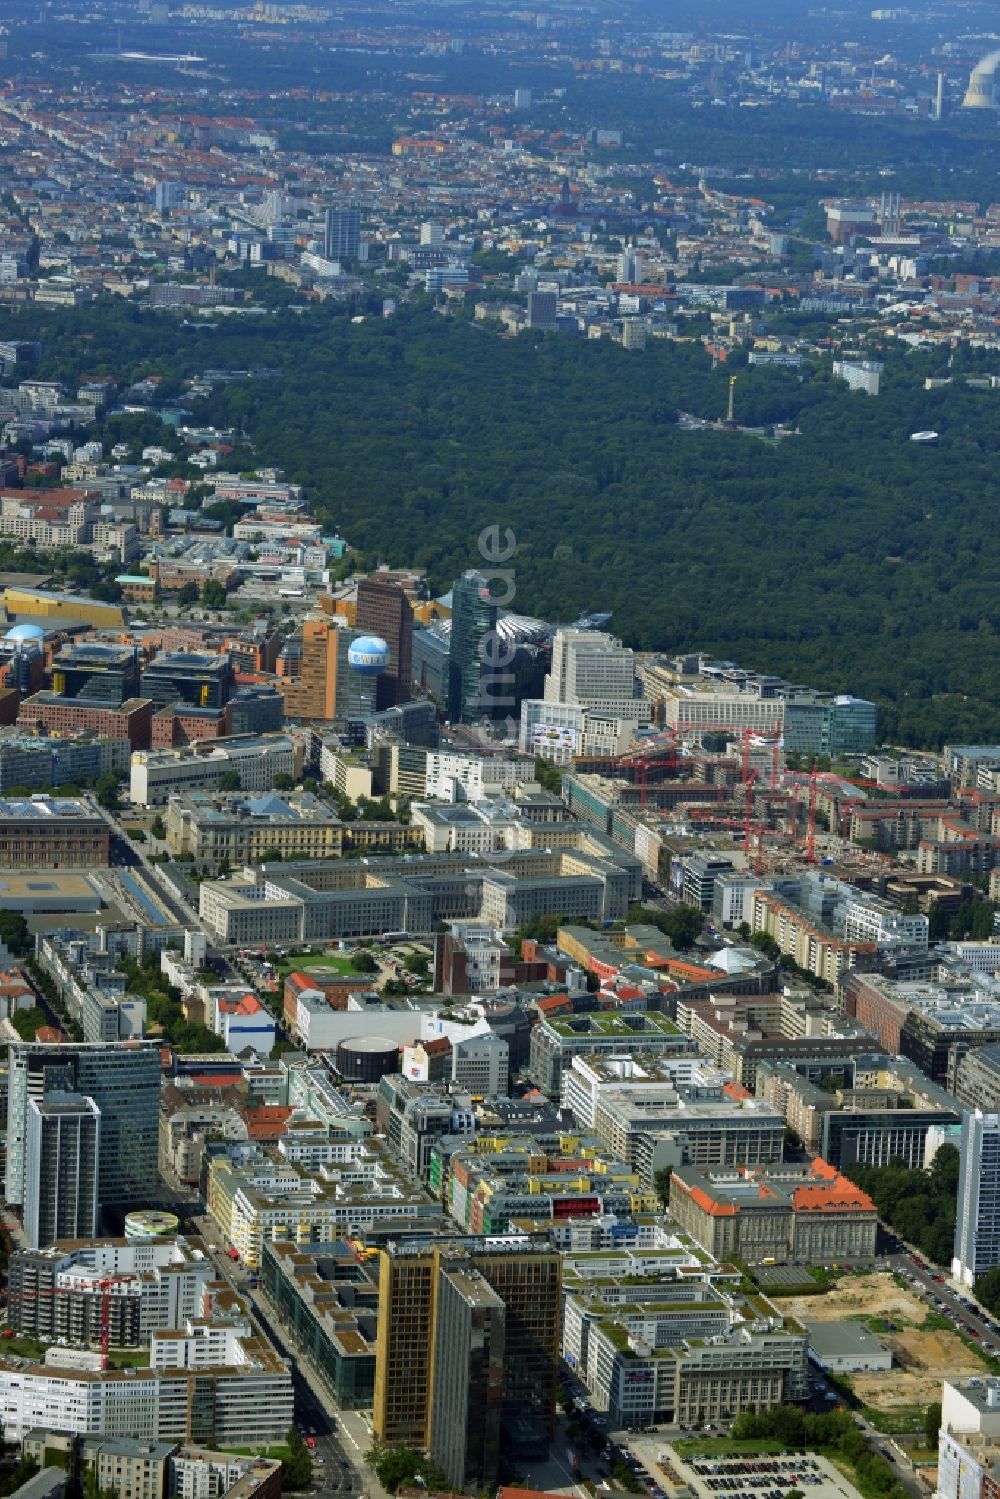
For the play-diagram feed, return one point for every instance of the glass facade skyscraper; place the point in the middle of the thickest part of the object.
(471, 685)
(123, 1080)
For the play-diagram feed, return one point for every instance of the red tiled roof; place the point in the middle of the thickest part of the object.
(553, 1004)
(267, 1121)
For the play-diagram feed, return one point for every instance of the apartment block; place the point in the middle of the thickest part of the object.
(812, 945)
(977, 1220)
(57, 1292)
(209, 1383)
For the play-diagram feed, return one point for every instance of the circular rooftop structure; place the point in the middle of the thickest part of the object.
(366, 1059)
(145, 1227)
(25, 632)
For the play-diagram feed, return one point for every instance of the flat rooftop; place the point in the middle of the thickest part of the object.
(44, 808)
(613, 1023)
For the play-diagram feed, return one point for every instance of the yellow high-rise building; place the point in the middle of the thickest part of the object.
(438, 1302)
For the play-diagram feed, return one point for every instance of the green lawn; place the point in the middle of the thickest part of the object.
(23, 1348)
(276, 1449)
(128, 1358)
(319, 960)
(119, 1358)
(894, 1422)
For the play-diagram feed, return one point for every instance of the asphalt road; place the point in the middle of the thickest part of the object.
(338, 1450)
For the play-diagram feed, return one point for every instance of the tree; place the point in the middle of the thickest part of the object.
(158, 827)
(188, 594)
(229, 781)
(106, 790)
(14, 932)
(26, 1468)
(296, 1468)
(918, 1205)
(765, 943)
(28, 1022)
(684, 925)
(395, 1467)
(213, 595)
(988, 1290)
(548, 776)
(283, 782)
(363, 962)
(624, 1477)
(661, 1181)
(932, 1423)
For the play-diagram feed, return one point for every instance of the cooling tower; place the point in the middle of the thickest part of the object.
(981, 93)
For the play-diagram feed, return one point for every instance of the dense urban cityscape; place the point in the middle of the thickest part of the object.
(499, 750)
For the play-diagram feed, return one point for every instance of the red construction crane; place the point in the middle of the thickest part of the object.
(104, 1287)
(645, 757)
(811, 828)
(746, 736)
(748, 813)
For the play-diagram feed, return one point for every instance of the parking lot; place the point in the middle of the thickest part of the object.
(761, 1477)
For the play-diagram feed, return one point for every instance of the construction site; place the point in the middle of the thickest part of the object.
(728, 786)
(924, 1351)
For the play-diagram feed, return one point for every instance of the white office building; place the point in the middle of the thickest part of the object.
(158, 774)
(869, 919)
(481, 1064)
(591, 670)
(977, 1224)
(452, 777)
(558, 731)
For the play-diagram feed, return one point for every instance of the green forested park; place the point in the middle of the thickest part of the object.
(845, 556)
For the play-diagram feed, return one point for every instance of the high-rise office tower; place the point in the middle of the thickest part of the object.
(467, 1377)
(542, 306)
(631, 267)
(977, 1220)
(591, 670)
(123, 1081)
(169, 195)
(633, 333)
(342, 238)
(403, 1346)
(318, 687)
(432, 234)
(467, 1351)
(62, 1154)
(472, 682)
(384, 610)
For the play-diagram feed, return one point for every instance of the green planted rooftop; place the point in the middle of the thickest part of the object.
(611, 1023)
